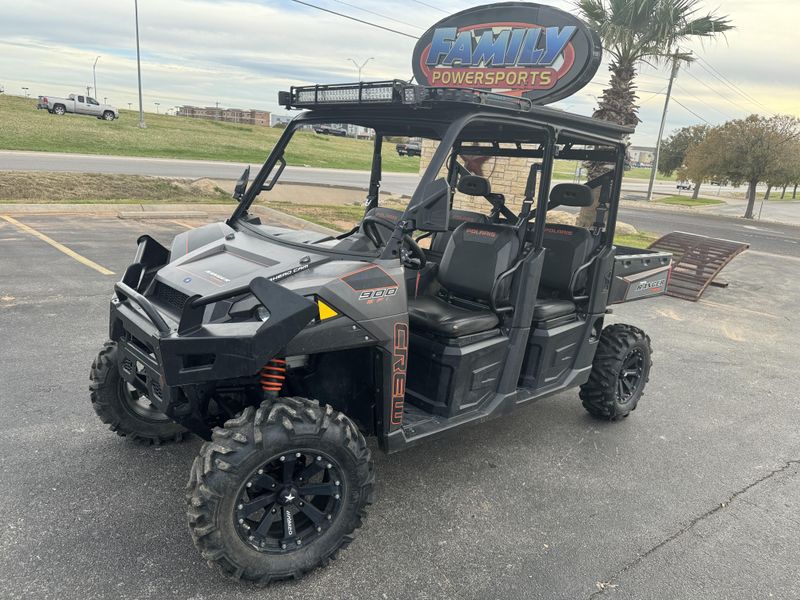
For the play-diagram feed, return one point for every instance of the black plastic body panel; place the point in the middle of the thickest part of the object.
(560, 352)
(450, 379)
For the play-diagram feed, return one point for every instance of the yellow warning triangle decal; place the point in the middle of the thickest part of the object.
(325, 311)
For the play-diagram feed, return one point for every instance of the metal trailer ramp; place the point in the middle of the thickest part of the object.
(697, 259)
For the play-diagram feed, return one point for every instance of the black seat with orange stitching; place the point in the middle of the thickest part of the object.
(475, 256)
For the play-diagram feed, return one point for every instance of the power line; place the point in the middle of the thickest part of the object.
(338, 14)
(703, 102)
(377, 14)
(690, 110)
(718, 93)
(431, 6)
(716, 73)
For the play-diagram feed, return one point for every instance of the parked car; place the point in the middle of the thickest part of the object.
(409, 149)
(330, 130)
(684, 185)
(78, 104)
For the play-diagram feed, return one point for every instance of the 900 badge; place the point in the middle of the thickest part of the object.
(377, 294)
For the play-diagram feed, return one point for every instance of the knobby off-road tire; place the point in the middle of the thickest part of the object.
(234, 468)
(620, 371)
(124, 411)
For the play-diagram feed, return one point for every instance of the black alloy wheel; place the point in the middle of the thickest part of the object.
(279, 490)
(290, 500)
(620, 371)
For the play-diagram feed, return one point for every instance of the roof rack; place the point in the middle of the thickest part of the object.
(394, 91)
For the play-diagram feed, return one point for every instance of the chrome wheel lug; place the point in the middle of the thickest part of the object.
(319, 458)
(336, 483)
(261, 471)
(241, 521)
(240, 507)
(283, 459)
(249, 484)
(328, 517)
(329, 466)
(299, 542)
(297, 455)
(336, 496)
(283, 546)
(319, 528)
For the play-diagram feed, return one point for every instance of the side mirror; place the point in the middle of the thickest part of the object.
(241, 184)
(431, 211)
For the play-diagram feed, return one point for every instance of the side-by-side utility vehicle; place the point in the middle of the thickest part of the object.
(286, 349)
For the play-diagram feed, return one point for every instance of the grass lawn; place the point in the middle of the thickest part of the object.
(22, 127)
(85, 188)
(641, 239)
(688, 201)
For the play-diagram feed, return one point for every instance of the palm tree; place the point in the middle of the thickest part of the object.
(636, 31)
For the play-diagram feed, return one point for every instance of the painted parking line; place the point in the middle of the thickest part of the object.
(58, 246)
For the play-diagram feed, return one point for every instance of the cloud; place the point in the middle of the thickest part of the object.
(240, 53)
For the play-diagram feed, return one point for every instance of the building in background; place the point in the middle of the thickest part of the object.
(279, 120)
(641, 156)
(229, 115)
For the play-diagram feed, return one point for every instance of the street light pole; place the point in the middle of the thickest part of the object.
(94, 75)
(26, 91)
(361, 66)
(157, 105)
(139, 64)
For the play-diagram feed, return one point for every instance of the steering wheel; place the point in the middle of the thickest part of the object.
(370, 224)
(411, 255)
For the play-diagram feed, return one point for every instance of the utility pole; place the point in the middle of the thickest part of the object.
(139, 64)
(361, 66)
(673, 74)
(88, 90)
(94, 75)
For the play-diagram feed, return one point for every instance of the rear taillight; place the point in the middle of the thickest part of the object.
(44, 99)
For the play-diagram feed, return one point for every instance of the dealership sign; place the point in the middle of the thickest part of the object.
(514, 48)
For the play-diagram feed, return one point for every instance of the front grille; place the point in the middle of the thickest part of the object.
(170, 296)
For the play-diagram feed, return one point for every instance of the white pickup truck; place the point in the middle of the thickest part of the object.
(78, 104)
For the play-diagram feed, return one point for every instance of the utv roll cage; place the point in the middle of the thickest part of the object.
(455, 117)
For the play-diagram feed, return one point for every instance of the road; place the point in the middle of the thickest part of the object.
(397, 183)
(696, 495)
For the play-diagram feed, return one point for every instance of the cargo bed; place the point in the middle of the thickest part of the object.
(639, 273)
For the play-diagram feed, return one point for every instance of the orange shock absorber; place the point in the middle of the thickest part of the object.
(273, 375)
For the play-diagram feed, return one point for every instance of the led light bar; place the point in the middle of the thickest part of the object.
(347, 93)
(393, 91)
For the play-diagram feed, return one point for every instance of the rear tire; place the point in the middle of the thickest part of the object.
(265, 458)
(125, 411)
(59, 109)
(620, 371)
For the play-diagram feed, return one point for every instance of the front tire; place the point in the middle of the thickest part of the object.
(126, 411)
(108, 115)
(279, 490)
(620, 371)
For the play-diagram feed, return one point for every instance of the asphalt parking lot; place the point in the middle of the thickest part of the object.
(696, 495)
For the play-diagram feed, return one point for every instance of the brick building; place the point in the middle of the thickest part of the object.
(508, 176)
(229, 115)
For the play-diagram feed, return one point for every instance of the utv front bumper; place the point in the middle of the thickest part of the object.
(164, 358)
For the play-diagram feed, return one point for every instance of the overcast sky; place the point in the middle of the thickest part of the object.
(240, 53)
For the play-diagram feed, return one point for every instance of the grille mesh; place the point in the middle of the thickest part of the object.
(170, 296)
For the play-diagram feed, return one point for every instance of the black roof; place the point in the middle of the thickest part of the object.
(398, 108)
